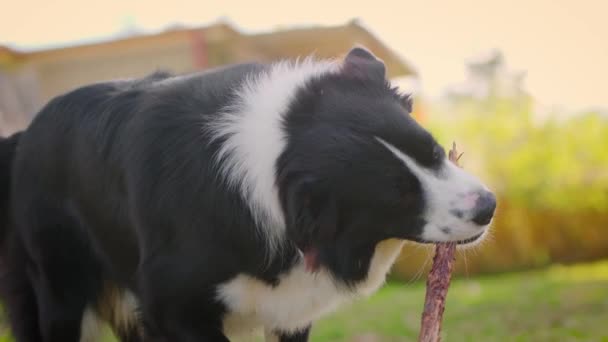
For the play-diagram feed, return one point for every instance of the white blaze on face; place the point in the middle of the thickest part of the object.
(450, 196)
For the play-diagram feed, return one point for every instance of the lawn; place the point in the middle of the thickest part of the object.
(560, 303)
(555, 304)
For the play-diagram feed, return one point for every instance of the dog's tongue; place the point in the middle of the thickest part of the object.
(311, 260)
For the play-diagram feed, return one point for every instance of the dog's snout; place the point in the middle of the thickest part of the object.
(484, 208)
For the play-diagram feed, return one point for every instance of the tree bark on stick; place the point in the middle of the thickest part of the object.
(438, 282)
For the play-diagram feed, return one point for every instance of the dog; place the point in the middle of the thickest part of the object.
(210, 205)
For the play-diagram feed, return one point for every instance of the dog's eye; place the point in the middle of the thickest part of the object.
(438, 153)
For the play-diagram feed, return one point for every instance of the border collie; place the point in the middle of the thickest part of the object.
(200, 207)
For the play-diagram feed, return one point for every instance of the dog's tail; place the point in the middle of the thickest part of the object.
(8, 147)
(16, 290)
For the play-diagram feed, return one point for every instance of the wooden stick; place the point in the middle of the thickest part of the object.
(438, 281)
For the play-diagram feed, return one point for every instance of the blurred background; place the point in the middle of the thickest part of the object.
(519, 85)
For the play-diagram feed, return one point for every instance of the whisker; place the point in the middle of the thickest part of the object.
(418, 274)
(463, 252)
(466, 267)
(409, 249)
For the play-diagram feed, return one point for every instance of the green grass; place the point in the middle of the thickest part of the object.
(560, 303)
(555, 304)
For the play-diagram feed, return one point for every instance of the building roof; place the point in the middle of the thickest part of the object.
(328, 42)
(9, 56)
(322, 41)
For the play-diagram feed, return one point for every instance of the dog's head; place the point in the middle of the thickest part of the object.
(358, 168)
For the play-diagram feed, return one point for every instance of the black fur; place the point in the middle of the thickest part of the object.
(15, 287)
(116, 182)
(8, 147)
(298, 336)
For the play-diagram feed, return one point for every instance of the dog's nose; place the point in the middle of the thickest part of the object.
(484, 208)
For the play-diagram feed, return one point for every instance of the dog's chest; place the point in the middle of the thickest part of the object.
(300, 297)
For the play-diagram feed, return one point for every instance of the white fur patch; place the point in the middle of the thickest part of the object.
(300, 297)
(270, 336)
(90, 326)
(123, 310)
(446, 192)
(116, 307)
(255, 139)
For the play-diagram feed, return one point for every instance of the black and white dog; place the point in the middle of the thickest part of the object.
(199, 207)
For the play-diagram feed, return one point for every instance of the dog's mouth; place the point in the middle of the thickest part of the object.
(458, 242)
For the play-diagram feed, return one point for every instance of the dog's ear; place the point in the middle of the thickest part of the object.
(311, 215)
(361, 63)
(406, 102)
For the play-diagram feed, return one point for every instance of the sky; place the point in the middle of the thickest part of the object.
(561, 45)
